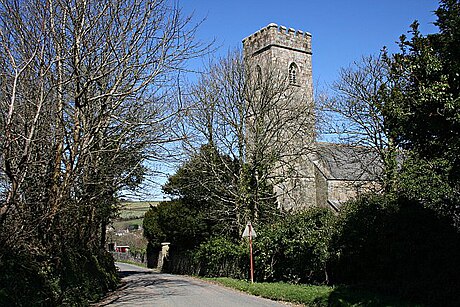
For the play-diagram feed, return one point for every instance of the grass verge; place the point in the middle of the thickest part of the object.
(142, 265)
(310, 295)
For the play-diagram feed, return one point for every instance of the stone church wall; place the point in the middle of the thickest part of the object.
(298, 181)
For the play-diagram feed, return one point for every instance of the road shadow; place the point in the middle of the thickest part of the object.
(123, 274)
(139, 287)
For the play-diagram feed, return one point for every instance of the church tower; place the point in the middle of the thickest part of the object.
(287, 53)
(286, 49)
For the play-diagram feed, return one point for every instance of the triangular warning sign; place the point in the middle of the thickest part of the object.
(246, 231)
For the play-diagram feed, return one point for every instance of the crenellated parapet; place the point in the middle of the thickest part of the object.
(274, 35)
(281, 61)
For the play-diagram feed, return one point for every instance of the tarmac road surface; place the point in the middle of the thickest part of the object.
(144, 287)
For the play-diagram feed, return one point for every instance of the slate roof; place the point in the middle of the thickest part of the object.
(347, 162)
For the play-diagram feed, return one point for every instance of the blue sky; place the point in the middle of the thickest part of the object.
(342, 31)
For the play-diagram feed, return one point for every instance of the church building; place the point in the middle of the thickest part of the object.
(319, 174)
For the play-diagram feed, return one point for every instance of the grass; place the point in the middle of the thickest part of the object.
(142, 265)
(126, 223)
(310, 295)
(133, 210)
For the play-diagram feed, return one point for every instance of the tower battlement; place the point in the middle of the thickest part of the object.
(280, 58)
(274, 35)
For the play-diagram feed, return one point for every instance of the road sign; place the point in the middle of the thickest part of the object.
(249, 231)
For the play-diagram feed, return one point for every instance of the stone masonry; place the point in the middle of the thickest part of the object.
(320, 174)
(288, 52)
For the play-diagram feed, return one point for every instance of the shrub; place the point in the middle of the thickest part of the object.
(222, 257)
(398, 246)
(24, 281)
(175, 222)
(296, 248)
(80, 277)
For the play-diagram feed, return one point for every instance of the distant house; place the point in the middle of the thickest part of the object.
(122, 249)
(113, 247)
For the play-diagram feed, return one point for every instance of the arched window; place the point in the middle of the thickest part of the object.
(293, 70)
(258, 76)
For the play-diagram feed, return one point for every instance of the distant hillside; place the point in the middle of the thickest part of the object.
(135, 209)
(126, 229)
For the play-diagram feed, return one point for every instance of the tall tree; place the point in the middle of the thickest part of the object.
(423, 114)
(248, 117)
(353, 114)
(83, 104)
(206, 183)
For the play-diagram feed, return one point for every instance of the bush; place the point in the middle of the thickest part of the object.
(221, 257)
(397, 246)
(25, 282)
(86, 276)
(175, 222)
(216, 257)
(81, 277)
(295, 249)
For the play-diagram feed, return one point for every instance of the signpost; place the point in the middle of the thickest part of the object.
(250, 232)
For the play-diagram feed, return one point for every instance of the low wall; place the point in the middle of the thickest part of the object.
(140, 258)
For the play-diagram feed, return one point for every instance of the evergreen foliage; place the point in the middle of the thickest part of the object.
(222, 257)
(422, 111)
(208, 183)
(175, 222)
(296, 248)
(397, 246)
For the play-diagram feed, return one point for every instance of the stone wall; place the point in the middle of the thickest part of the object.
(341, 190)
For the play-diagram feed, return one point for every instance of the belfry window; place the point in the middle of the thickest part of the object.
(293, 73)
(259, 76)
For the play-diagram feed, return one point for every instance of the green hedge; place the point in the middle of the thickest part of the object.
(296, 249)
(80, 277)
(397, 246)
(222, 257)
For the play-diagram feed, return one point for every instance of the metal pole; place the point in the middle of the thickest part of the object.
(250, 253)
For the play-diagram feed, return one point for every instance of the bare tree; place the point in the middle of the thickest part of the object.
(256, 118)
(84, 102)
(353, 115)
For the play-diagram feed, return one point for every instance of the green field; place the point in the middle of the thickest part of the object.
(130, 217)
(132, 213)
(123, 224)
(135, 210)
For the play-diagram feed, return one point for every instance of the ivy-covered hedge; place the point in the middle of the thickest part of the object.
(222, 257)
(82, 277)
(295, 249)
(397, 246)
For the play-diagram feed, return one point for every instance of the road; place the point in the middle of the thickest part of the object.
(143, 287)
